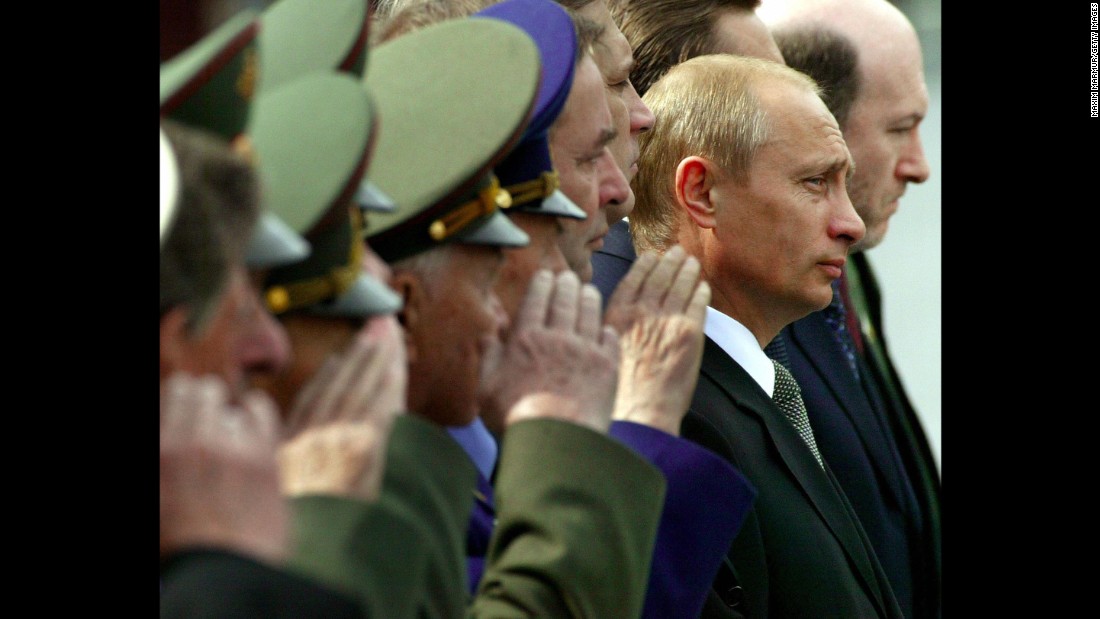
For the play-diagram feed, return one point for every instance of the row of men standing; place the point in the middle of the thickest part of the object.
(625, 458)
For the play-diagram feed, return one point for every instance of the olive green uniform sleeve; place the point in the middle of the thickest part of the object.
(577, 515)
(403, 555)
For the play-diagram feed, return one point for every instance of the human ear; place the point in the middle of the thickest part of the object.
(695, 177)
(411, 289)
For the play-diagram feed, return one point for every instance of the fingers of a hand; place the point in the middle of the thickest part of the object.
(536, 302)
(627, 289)
(683, 287)
(305, 402)
(392, 338)
(335, 394)
(366, 361)
(379, 380)
(355, 378)
(389, 341)
(261, 419)
(564, 302)
(177, 403)
(590, 313)
(660, 280)
(609, 341)
(214, 420)
(697, 307)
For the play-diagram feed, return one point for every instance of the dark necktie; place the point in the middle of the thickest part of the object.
(788, 397)
(777, 350)
(836, 317)
(851, 313)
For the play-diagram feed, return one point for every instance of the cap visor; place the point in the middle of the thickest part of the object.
(371, 198)
(274, 244)
(366, 297)
(557, 205)
(497, 230)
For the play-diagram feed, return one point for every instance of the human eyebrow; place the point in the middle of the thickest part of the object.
(831, 168)
(597, 150)
(908, 121)
(606, 136)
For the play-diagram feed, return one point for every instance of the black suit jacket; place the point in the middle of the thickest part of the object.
(802, 551)
(877, 447)
(213, 584)
(611, 262)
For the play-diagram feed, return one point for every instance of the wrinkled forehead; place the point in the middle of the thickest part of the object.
(612, 51)
(587, 103)
(801, 124)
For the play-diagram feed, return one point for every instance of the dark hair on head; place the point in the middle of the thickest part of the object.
(664, 33)
(588, 32)
(217, 210)
(830, 58)
(575, 5)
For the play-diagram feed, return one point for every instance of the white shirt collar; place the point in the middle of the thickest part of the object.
(740, 344)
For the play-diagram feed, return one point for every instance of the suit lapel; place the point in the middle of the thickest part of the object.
(815, 342)
(818, 486)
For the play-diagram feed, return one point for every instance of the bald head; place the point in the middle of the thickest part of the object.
(868, 39)
(867, 57)
(860, 19)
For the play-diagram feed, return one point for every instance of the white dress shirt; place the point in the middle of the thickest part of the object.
(740, 344)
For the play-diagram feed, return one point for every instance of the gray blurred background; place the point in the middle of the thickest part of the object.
(908, 262)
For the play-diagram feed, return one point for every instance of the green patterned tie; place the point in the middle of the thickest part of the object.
(788, 397)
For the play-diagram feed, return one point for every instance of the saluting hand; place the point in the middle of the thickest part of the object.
(340, 423)
(558, 361)
(659, 309)
(219, 484)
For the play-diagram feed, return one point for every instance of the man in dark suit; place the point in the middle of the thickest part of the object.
(867, 57)
(662, 33)
(753, 183)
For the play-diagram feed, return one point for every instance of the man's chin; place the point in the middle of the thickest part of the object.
(585, 272)
(582, 265)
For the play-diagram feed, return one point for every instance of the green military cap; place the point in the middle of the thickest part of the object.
(313, 139)
(302, 36)
(211, 85)
(454, 99)
(298, 37)
(169, 185)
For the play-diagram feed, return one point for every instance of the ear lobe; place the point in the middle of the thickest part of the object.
(695, 177)
(410, 315)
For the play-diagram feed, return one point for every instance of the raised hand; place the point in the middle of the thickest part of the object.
(340, 424)
(219, 483)
(557, 362)
(365, 382)
(659, 309)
